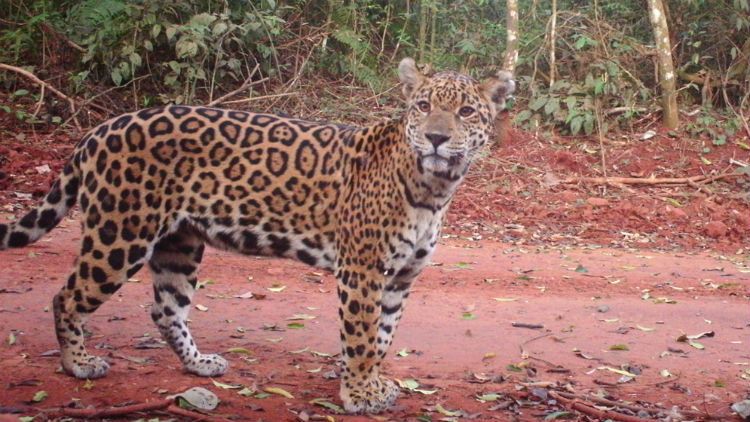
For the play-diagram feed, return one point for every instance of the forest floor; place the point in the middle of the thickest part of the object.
(612, 275)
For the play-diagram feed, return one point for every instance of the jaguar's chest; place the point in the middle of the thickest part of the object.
(411, 249)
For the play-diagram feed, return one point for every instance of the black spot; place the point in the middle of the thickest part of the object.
(279, 245)
(282, 132)
(135, 138)
(360, 349)
(230, 131)
(178, 111)
(121, 122)
(55, 194)
(421, 253)
(249, 241)
(354, 307)
(389, 310)
(263, 120)
(87, 245)
(150, 112)
(344, 296)
(305, 257)
(191, 125)
(277, 161)
(114, 143)
(108, 232)
(71, 281)
(182, 300)
(98, 275)
(116, 258)
(109, 288)
(168, 311)
(83, 270)
(18, 240)
(211, 114)
(47, 219)
(349, 327)
(135, 253)
(29, 220)
(134, 269)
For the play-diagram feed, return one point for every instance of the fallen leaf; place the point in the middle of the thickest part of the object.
(558, 415)
(240, 350)
(246, 392)
(226, 386)
(201, 308)
(88, 385)
(468, 316)
(646, 329)
(617, 371)
(279, 391)
(446, 412)
(620, 347)
(11, 339)
(327, 404)
(295, 325)
(277, 288)
(39, 396)
(300, 317)
(506, 299)
(484, 398)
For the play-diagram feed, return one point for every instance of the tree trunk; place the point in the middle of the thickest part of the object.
(667, 79)
(424, 8)
(552, 41)
(511, 43)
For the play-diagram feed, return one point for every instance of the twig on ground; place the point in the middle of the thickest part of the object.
(245, 85)
(606, 402)
(262, 97)
(43, 84)
(703, 179)
(165, 405)
(587, 409)
(526, 325)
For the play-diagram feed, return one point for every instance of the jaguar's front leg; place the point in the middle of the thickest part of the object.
(363, 390)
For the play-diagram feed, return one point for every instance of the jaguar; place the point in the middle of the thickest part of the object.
(366, 203)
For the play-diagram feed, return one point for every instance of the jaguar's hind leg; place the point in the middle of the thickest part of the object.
(174, 265)
(100, 271)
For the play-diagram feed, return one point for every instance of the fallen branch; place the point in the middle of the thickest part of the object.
(526, 325)
(44, 85)
(649, 181)
(605, 402)
(165, 405)
(245, 85)
(585, 408)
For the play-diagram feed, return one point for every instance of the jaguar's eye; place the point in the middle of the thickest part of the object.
(423, 106)
(465, 111)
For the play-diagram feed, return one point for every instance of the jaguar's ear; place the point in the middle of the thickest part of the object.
(498, 88)
(409, 75)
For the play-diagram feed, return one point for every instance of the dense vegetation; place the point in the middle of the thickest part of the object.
(603, 73)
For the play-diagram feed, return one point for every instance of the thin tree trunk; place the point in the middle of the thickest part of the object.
(511, 43)
(667, 79)
(553, 28)
(433, 25)
(423, 17)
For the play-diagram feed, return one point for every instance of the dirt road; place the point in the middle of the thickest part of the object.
(601, 310)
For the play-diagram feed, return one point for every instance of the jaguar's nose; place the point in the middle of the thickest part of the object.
(437, 139)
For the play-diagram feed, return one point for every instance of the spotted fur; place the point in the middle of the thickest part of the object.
(367, 203)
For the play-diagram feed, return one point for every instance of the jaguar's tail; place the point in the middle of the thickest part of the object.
(42, 219)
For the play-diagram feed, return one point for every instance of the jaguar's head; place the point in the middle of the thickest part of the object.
(450, 116)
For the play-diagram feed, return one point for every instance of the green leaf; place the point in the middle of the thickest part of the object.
(552, 106)
(295, 325)
(575, 125)
(39, 396)
(468, 316)
(240, 350)
(155, 30)
(21, 93)
(246, 392)
(327, 404)
(116, 76)
(171, 31)
(484, 398)
(538, 103)
(581, 269)
(446, 412)
(523, 116)
(620, 347)
(226, 386)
